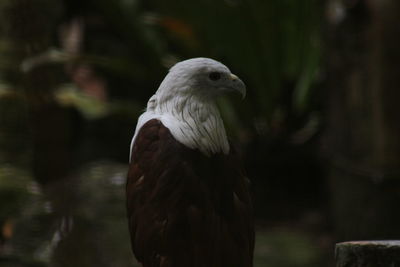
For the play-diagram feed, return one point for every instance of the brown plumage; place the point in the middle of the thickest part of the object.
(186, 209)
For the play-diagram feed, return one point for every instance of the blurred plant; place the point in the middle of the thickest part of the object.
(285, 248)
(270, 44)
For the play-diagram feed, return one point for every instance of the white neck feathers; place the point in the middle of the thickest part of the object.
(194, 122)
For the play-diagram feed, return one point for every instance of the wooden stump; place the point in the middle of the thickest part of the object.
(368, 254)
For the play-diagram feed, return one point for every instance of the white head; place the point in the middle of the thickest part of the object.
(203, 78)
(185, 104)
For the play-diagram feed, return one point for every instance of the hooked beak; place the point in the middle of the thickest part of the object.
(237, 85)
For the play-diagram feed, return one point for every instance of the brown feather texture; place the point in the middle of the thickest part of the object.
(187, 208)
(184, 208)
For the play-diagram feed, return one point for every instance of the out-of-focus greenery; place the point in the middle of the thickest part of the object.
(280, 247)
(75, 75)
(273, 45)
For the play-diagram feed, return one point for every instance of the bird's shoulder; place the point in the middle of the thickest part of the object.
(150, 139)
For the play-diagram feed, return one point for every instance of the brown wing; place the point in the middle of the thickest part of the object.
(186, 209)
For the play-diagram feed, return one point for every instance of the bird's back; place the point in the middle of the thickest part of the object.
(184, 208)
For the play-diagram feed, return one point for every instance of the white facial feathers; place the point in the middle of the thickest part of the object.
(185, 104)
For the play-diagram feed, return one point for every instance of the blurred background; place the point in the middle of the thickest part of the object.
(319, 129)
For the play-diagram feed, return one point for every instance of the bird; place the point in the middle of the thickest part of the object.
(187, 194)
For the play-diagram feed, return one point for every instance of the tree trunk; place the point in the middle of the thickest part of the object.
(364, 126)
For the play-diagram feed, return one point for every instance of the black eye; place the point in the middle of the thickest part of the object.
(214, 76)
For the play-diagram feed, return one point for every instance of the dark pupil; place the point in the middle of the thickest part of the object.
(215, 76)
